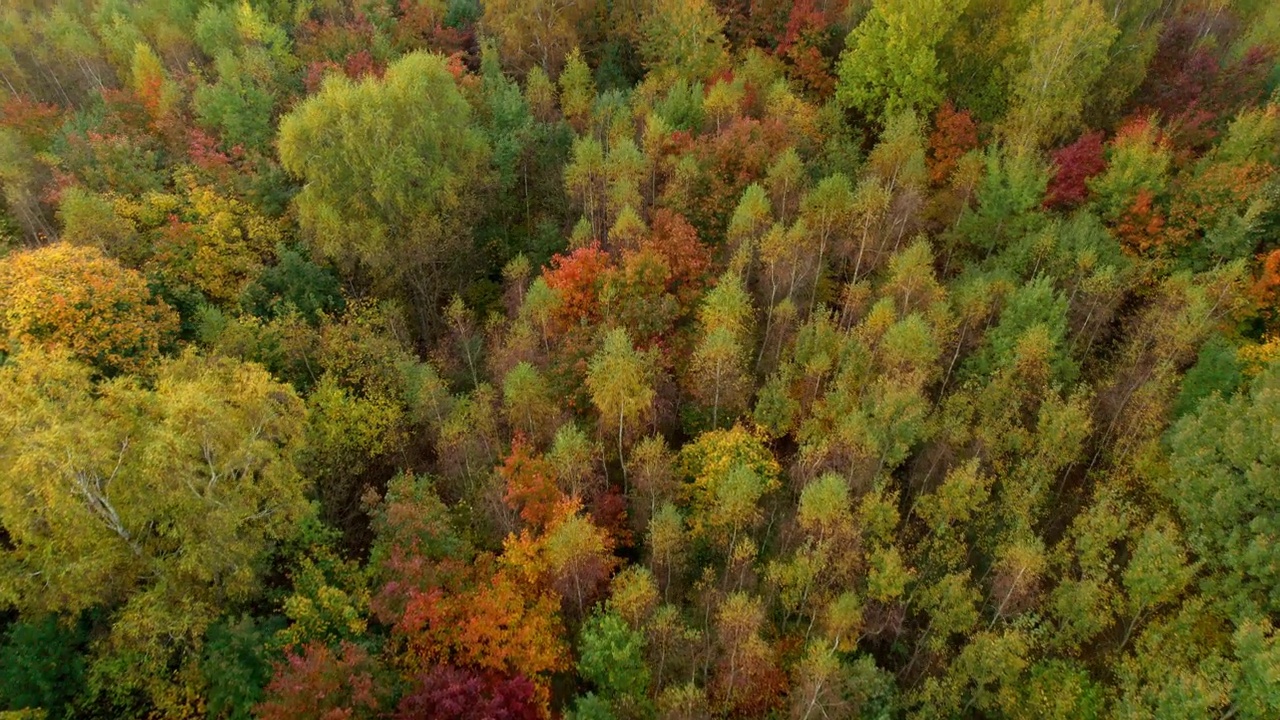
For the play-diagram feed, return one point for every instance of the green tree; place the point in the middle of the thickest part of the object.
(392, 169)
(890, 62)
(158, 504)
(683, 39)
(611, 657)
(1219, 470)
(618, 379)
(1064, 51)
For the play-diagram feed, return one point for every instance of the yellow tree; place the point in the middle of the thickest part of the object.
(155, 504)
(719, 364)
(77, 298)
(535, 32)
(1065, 44)
(683, 39)
(617, 377)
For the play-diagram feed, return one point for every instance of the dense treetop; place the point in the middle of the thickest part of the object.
(639, 359)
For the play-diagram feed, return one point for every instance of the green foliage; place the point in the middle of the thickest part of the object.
(43, 667)
(392, 167)
(1033, 310)
(236, 665)
(358, 356)
(611, 658)
(294, 284)
(1220, 465)
(890, 62)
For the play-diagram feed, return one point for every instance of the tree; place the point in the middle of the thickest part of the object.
(492, 619)
(731, 471)
(1064, 51)
(1008, 195)
(683, 39)
(618, 379)
(578, 557)
(1157, 571)
(319, 684)
(1133, 186)
(954, 134)
(528, 400)
(453, 693)
(1216, 483)
(77, 298)
(719, 363)
(535, 32)
(391, 168)
(1074, 165)
(577, 92)
(611, 657)
(237, 106)
(890, 62)
(157, 504)
(43, 665)
(746, 680)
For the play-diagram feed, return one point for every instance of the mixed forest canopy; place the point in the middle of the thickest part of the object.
(637, 359)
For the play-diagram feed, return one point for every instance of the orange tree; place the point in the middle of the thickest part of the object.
(80, 299)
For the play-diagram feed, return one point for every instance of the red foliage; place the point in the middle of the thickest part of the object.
(496, 622)
(335, 37)
(737, 156)
(321, 684)
(1141, 224)
(638, 295)
(578, 277)
(1179, 73)
(753, 22)
(804, 22)
(609, 512)
(1246, 81)
(418, 26)
(1266, 288)
(417, 549)
(672, 237)
(316, 71)
(361, 63)
(954, 134)
(1073, 165)
(1196, 86)
(34, 121)
(151, 95)
(531, 484)
(451, 693)
(812, 70)
(125, 113)
(807, 33)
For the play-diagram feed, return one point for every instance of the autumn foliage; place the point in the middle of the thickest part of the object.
(78, 298)
(1073, 166)
(639, 360)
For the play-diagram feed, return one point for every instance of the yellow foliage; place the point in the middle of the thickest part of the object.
(78, 298)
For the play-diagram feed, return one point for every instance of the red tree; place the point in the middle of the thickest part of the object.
(687, 258)
(323, 685)
(531, 484)
(954, 134)
(1074, 164)
(1141, 224)
(451, 693)
(578, 277)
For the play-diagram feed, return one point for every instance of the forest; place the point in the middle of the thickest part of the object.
(639, 359)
